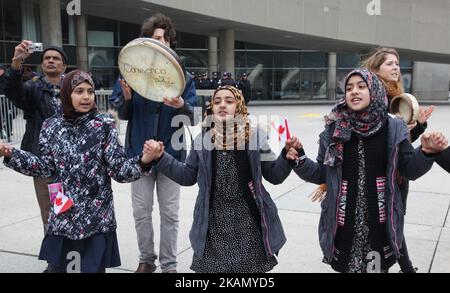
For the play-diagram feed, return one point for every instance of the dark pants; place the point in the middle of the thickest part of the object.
(43, 198)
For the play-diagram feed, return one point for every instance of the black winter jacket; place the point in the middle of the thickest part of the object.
(38, 99)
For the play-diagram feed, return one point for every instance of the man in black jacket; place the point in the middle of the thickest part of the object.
(244, 85)
(39, 100)
(2, 79)
(2, 101)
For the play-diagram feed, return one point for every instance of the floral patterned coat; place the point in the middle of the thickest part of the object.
(84, 155)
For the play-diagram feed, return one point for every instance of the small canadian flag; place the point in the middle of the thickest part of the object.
(279, 133)
(62, 203)
(281, 128)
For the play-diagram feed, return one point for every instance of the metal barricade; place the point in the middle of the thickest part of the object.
(12, 124)
(103, 106)
(204, 99)
(102, 100)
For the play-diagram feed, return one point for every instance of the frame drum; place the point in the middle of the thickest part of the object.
(406, 107)
(152, 69)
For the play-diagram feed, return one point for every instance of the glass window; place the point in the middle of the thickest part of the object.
(287, 84)
(12, 20)
(194, 58)
(102, 31)
(341, 74)
(286, 59)
(347, 60)
(71, 52)
(238, 45)
(196, 70)
(313, 60)
(240, 58)
(101, 38)
(30, 21)
(305, 84)
(68, 28)
(192, 41)
(404, 63)
(319, 84)
(106, 76)
(3, 57)
(261, 83)
(407, 80)
(65, 27)
(253, 46)
(406, 67)
(128, 32)
(260, 58)
(102, 57)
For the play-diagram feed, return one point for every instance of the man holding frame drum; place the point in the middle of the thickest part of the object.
(146, 100)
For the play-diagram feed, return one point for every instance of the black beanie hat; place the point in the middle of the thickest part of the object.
(55, 48)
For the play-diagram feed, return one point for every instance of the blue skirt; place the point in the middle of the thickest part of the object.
(96, 253)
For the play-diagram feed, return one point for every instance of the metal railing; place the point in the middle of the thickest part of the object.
(102, 100)
(12, 124)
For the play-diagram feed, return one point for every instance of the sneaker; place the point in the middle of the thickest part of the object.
(172, 271)
(145, 268)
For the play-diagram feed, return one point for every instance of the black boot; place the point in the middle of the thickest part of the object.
(51, 269)
(404, 262)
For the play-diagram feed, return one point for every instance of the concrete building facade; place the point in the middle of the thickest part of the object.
(291, 49)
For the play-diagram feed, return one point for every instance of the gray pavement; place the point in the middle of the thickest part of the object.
(427, 227)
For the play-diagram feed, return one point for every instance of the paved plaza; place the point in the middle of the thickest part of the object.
(427, 227)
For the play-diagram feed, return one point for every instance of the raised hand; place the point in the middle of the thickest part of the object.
(425, 114)
(5, 150)
(21, 53)
(126, 90)
(152, 150)
(433, 142)
(176, 102)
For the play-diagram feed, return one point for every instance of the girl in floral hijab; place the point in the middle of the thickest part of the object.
(361, 148)
(365, 122)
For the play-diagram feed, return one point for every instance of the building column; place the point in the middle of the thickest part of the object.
(331, 78)
(430, 81)
(212, 55)
(51, 22)
(227, 51)
(82, 43)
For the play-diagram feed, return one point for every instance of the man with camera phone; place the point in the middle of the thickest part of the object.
(39, 100)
